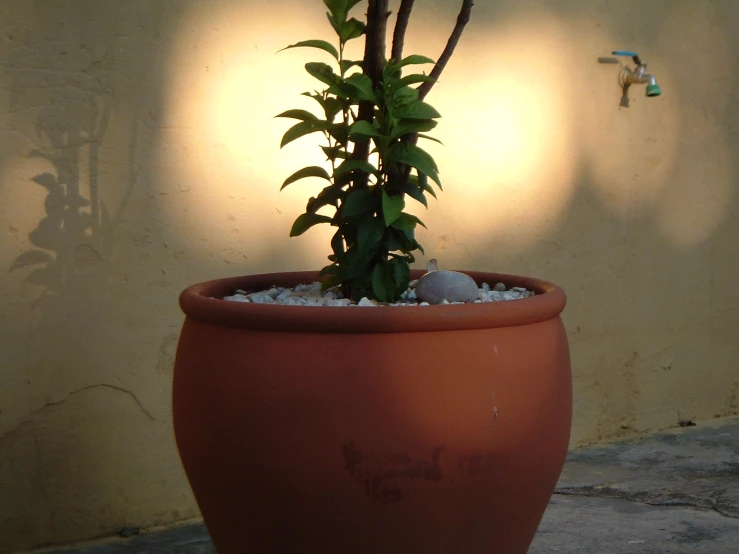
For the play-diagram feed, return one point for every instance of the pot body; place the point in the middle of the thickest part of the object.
(384, 437)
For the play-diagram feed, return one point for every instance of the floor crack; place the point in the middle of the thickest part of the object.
(610, 492)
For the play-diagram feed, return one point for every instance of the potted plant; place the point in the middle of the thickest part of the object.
(332, 429)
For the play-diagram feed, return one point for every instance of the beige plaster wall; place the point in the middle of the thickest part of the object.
(138, 155)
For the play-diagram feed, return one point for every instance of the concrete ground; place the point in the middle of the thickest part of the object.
(676, 491)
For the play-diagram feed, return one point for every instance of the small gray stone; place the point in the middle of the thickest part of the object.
(500, 287)
(366, 302)
(451, 286)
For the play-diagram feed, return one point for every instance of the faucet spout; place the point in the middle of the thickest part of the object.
(636, 76)
(640, 77)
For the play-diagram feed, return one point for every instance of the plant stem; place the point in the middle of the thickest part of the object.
(372, 65)
(401, 26)
(462, 19)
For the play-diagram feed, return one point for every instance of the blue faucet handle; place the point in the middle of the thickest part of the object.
(628, 53)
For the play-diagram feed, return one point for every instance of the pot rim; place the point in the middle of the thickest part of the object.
(204, 302)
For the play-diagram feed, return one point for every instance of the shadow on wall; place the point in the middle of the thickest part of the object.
(86, 382)
(74, 237)
(133, 147)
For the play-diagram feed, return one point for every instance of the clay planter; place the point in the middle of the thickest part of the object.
(390, 430)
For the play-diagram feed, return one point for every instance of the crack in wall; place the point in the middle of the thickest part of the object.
(63, 400)
(642, 497)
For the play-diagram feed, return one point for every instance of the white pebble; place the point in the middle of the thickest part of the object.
(261, 298)
(312, 295)
(237, 298)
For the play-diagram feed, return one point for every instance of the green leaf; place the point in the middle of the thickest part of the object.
(382, 283)
(363, 83)
(306, 221)
(392, 68)
(427, 137)
(334, 152)
(355, 264)
(351, 29)
(330, 281)
(413, 79)
(323, 72)
(346, 65)
(414, 191)
(358, 202)
(401, 274)
(369, 234)
(363, 129)
(412, 155)
(423, 182)
(340, 134)
(414, 59)
(339, 9)
(330, 269)
(331, 107)
(416, 110)
(312, 171)
(392, 207)
(356, 87)
(407, 222)
(353, 165)
(320, 44)
(404, 95)
(334, 22)
(330, 195)
(408, 126)
(337, 243)
(304, 128)
(302, 115)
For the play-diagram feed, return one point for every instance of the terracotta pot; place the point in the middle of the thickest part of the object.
(434, 430)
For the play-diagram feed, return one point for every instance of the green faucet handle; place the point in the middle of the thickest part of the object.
(654, 90)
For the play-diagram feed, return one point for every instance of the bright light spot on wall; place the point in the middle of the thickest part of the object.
(509, 160)
(227, 85)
